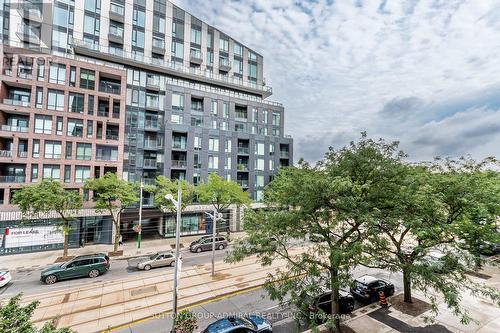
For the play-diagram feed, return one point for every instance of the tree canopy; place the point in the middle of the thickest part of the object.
(221, 193)
(164, 186)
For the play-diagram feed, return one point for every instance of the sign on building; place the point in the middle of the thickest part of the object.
(32, 236)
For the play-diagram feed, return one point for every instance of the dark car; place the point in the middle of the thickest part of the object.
(90, 265)
(247, 324)
(489, 249)
(366, 288)
(318, 308)
(205, 244)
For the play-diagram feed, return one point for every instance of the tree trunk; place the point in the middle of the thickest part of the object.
(116, 222)
(66, 239)
(334, 286)
(407, 286)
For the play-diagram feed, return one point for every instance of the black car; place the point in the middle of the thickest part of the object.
(318, 308)
(366, 288)
(247, 324)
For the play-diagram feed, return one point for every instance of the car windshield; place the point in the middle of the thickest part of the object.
(248, 323)
(153, 257)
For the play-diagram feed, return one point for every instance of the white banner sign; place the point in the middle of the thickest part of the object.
(32, 236)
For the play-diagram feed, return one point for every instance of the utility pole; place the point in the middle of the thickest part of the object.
(177, 268)
(139, 234)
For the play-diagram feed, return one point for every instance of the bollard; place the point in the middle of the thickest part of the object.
(382, 300)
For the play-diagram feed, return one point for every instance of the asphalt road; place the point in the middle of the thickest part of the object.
(28, 281)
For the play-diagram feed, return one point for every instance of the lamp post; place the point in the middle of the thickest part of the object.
(139, 235)
(177, 204)
(216, 216)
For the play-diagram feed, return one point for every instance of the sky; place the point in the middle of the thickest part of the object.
(425, 73)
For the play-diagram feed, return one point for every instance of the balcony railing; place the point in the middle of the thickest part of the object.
(242, 167)
(24, 154)
(15, 102)
(112, 137)
(152, 104)
(118, 10)
(5, 153)
(10, 128)
(243, 183)
(12, 179)
(139, 58)
(153, 82)
(108, 87)
(243, 150)
(151, 124)
(224, 64)
(150, 145)
(179, 145)
(179, 163)
(149, 181)
(284, 154)
(150, 163)
(115, 31)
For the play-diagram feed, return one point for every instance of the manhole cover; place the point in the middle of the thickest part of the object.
(145, 290)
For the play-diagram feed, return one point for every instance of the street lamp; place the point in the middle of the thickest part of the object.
(215, 216)
(177, 271)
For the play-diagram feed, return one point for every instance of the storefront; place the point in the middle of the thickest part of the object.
(194, 224)
(17, 236)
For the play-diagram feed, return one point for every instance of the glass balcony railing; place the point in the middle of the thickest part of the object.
(112, 136)
(179, 145)
(179, 164)
(153, 81)
(22, 154)
(243, 183)
(196, 54)
(150, 163)
(150, 145)
(15, 102)
(5, 153)
(242, 167)
(10, 128)
(110, 87)
(243, 150)
(116, 31)
(151, 124)
(284, 154)
(140, 58)
(116, 9)
(158, 43)
(12, 179)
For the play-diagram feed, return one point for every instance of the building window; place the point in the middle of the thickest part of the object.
(90, 107)
(197, 142)
(197, 121)
(213, 107)
(51, 172)
(265, 120)
(36, 148)
(213, 162)
(41, 69)
(228, 163)
(276, 119)
(213, 144)
(225, 110)
(72, 76)
(91, 25)
(224, 125)
(214, 124)
(158, 24)
(82, 173)
(55, 100)
(59, 39)
(83, 151)
(177, 101)
(224, 44)
(196, 179)
(238, 49)
(139, 17)
(259, 180)
(43, 124)
(75, 102)
(93, 5)
(239, 128)
(57, 73)
(52, 149)
(196, 36)
(87, 79)
(210, 58)
(252, 71)
(177, 49)
(271, 165)
(259, 164)
(259, 148)
(39, 98)
(59, 126)
(238, 66)
(34, 173)
(75, 127)
(178, 30)
(67, 173)
(227, 146)
(138, 38)
(252, 56)
(69, 150)
(271, 149)
(90, 128)
(177, 119)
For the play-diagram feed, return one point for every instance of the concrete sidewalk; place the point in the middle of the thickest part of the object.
(24, 261)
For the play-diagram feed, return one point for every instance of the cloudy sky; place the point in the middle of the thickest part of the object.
(426, 73)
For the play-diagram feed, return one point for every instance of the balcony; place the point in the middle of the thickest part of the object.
(151, 125)
(110, 87)
(10, 128)
(170, 68)
(117, 13)
(242, 167)
(112, 136)
(284, 154)
(31, 12)
(5, 153)
(151, 145)
(195, 56)
(150, 163)
(243, 151)
(179, 164)
(224, 64)
(28, 34)
(153, 83)
(115, 34)
(243, 183)
(24, 154)
(158, 46)
(179, 145)
(12, 179)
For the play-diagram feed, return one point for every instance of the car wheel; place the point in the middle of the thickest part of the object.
(93, 273)
(198, 250)
(221, 247)
(147, 267)
(172, 263)
(51, 279)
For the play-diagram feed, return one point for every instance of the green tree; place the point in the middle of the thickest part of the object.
(332, 201)
(185, 322)
(448, 207)
(221, 193)
(50, 196)
(164, 186)
(113, 195)
(15, 318)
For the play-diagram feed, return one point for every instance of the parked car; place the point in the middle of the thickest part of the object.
(489, 249)
(90, 265)
(320, 306)
(159, 259)
(5, 278)
(205, 244)
(247, 324)
(366, 288)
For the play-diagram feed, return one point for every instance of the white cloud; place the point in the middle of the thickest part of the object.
(337, 67)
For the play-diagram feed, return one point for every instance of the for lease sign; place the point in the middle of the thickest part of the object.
(32, 236)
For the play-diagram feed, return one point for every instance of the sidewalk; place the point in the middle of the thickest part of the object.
(33, 260)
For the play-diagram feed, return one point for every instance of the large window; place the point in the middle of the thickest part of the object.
(177, 101)
(238, 50)
(59, 38)
(196, 36)
(93, 5)
(106, 153)
(36, 148)
(83, 151)
(138, 38)
(238, 66)
(224, 45)
(178, 30)
(51, 171)
(55, 100)
(177, 49)
(259, 180)
(60, 16)
(82, 173)
(139, 17)
(75, 103)
(91, 25)
(259, 148)
(52, 149)
(213, 144)
(252, 70)
(259, 164)
(43, 124)
(57, 73)
(213, 162)
(159, 24)
(87, 79)
(75, 127)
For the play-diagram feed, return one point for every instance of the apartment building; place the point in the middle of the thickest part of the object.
(137, 87)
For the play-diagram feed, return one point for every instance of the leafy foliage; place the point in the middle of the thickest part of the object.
(185, 322)
(166, 186)
(221, 193)
(15, 318)
(48, 196)
(113, 195)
